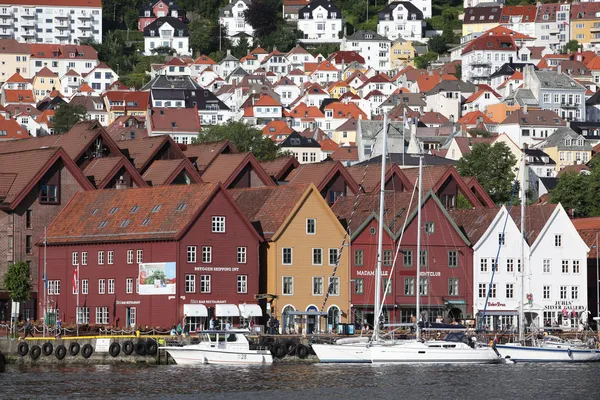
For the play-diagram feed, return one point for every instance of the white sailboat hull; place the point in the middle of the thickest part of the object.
(198, 354)
(343, 353)
(547, 354)
(437, 352)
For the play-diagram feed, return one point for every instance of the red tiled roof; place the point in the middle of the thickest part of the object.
(278, 167)
(175, 120)
(227, 167)
(536, 217)
(10, 129)
(474, 222)
(101, 170)
(163, 172)
(345, 153)
(433, 118)
(203, 154)
(266, 100)
(270, 206)
(16, 78)
(63, 51)
(328, 145)
(472, 117)
(142, 151)
(345, 111)
(203, 59)
(87, 217)
(491, 43)
(346, 57)
(19, 96)
(573, 169)
(134, 101)
(320, 175)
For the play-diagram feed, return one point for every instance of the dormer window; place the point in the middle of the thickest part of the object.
(147, 13)
(306, 15)
(567, 142)
(333, 15)
(153, 33)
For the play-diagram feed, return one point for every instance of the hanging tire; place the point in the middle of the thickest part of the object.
(2, 363)
(47, 349)
(128, 347)
(115, 349)
(301, 351)
(60, 352)
(23, 349)
(36, 351)
(279, 350)
(74, 348)
(140, 348)
(87, 350)
(151, 347)
(290, 345)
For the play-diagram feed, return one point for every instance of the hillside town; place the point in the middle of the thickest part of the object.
(100, 179)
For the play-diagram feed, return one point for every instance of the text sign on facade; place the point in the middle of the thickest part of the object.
(217, 269)
(157, 278)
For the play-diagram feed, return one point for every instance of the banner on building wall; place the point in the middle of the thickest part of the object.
(157, 278)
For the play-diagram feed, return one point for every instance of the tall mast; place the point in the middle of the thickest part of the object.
(523, 236)
(377, 304)
(420, 197)
(45, 283)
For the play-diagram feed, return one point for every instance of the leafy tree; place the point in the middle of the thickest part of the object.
(572, 45)
(493, 167)
(241, 49)
(422, 62)
(437, 44)
(67, 115)
(284, 38)
(262, 16)
(164, 50)
(17, 281)
(245, 138)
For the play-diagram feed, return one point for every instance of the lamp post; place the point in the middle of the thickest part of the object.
(597, 286)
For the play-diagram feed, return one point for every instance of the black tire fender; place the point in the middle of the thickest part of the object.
(36, 351)
(23, 349)
(115, 349)
(151, 347)
(74, 348)
(289, 346)
(87, 350)
(279, 350)
(60, 352)
(2, 363)
(47, 349)
(302, 351)
(140, 347)
(128, 347)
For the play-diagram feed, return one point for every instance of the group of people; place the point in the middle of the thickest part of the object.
(273, 325)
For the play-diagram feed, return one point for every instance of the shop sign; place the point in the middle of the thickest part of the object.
(371, 273)
(431, 273)
(127, 302)
(217, 269)
(496, 304)
(194, 301)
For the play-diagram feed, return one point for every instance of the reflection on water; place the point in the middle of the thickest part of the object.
(284, 381)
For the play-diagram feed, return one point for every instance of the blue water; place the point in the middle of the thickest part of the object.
(303, 381)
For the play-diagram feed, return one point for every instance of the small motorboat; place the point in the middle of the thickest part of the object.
(220, 347)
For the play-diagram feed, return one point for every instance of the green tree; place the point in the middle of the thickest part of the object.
(245, 138)
(458, 72)
(262, 16)
(493, 167)
(67, 115)
(422, 62)
(437, 44)
(17, 281)
(241, 48)
(284, 38)
(572, 45)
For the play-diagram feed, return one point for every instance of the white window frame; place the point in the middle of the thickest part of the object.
(314, 280)
(308, 226)
(206, 254)
(84, 286)
(242, 255)
(140, 256)
(190, 283)
(335, 288)
(101, 315)
(192, 254)
(83, 315)
(205, 283)
(291, 281)
(218, 224)
(74, 258)
(101, 286)
(314, 252)
(242, 283)
(129, 285)
(129, 256)
(84, 257)
(283, 255)
(110, 257)
(111, 286)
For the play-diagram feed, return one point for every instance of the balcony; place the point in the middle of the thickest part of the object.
(29, 33)
(86, 27)
(570, 105)
(481, 63)
(62, 33)
(595, 29)
(5, 34)
(61, 16)
(28, 22)
(6, 11)
(85, 16)
(554, 31)
(29, 13)
(6, 22)
(595, 39)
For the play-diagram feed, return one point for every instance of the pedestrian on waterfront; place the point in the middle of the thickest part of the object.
(227, 325)
(173, 331)
(276, 326)
(270, 325)
(179, 330)
(58, 327)
(211, 324)
(28, 328)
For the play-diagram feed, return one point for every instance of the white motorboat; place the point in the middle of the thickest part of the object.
(220, 347)
(435, 351)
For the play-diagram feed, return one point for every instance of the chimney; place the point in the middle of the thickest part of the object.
(228, 52)
(524, 108)
(121, 184)
(558, 68)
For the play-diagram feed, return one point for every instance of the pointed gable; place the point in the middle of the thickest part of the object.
(203, 154)
(105, 172)
(331, 178)
(172, 172)
(237, 171)
(142, 152)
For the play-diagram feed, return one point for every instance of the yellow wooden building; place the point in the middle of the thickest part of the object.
(303, 238)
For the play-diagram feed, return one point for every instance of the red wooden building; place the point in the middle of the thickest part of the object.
(199, 249)
(446, 258)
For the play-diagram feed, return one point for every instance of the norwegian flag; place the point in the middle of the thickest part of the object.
(75, 281)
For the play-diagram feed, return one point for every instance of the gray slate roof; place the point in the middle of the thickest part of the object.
(369, 129)
(453, 86)
(367, 35)
(230, 6)
(557, 139)
(392, 6)
(168, 82)
(556, 80)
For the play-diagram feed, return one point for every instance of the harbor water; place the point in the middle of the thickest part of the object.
(288, 380)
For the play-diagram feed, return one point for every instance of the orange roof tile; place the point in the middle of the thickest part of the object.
(19, 96)
(17, 78)
(266, 100)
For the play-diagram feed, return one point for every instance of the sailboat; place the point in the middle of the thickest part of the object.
(550, 348)
(377, 350)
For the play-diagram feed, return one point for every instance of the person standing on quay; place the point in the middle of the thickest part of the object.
(28, 328)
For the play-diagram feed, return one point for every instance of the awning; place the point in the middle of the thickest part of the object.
(501, 312)
(250, 310)
(195, 310)
(227, 310)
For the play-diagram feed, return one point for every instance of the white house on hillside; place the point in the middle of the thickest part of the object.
(167, 32)
(401, 19)
(374, 48)
(320, 21)
(232, 18)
